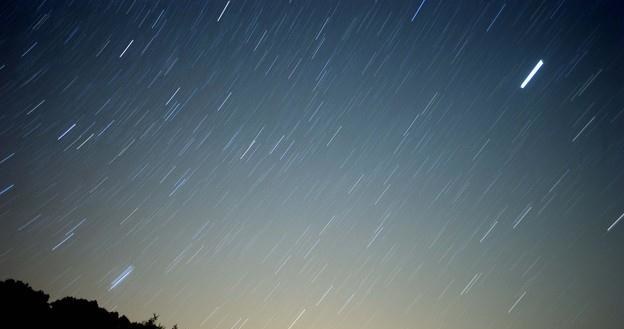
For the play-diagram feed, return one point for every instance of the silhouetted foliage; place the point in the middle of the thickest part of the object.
(23, 307)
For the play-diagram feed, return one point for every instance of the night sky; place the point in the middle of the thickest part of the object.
(317, 164)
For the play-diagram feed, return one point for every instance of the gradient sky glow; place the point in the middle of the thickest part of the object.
(317, 164)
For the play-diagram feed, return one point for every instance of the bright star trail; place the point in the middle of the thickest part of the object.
(119, 279)
(532, 73)
(316, 164)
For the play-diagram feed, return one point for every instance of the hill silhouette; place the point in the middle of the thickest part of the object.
(23, 307)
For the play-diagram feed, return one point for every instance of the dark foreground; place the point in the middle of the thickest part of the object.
(23, 307)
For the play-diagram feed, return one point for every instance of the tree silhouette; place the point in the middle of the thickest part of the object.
(23, 307)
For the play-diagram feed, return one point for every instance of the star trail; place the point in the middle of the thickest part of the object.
(295, 164)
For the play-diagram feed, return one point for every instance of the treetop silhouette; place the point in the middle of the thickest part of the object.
(23, 307)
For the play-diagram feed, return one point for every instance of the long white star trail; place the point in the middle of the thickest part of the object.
(317, 164)
(126, 49)
(66, 131)
(223, 11)
(516, 302)
(292, 324)
(121, 277)
(62, 241)
(615, 222)
(418, 10)
(6, 189)
(532, 74)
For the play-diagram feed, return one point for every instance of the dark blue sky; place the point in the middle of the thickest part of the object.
(317, 164)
